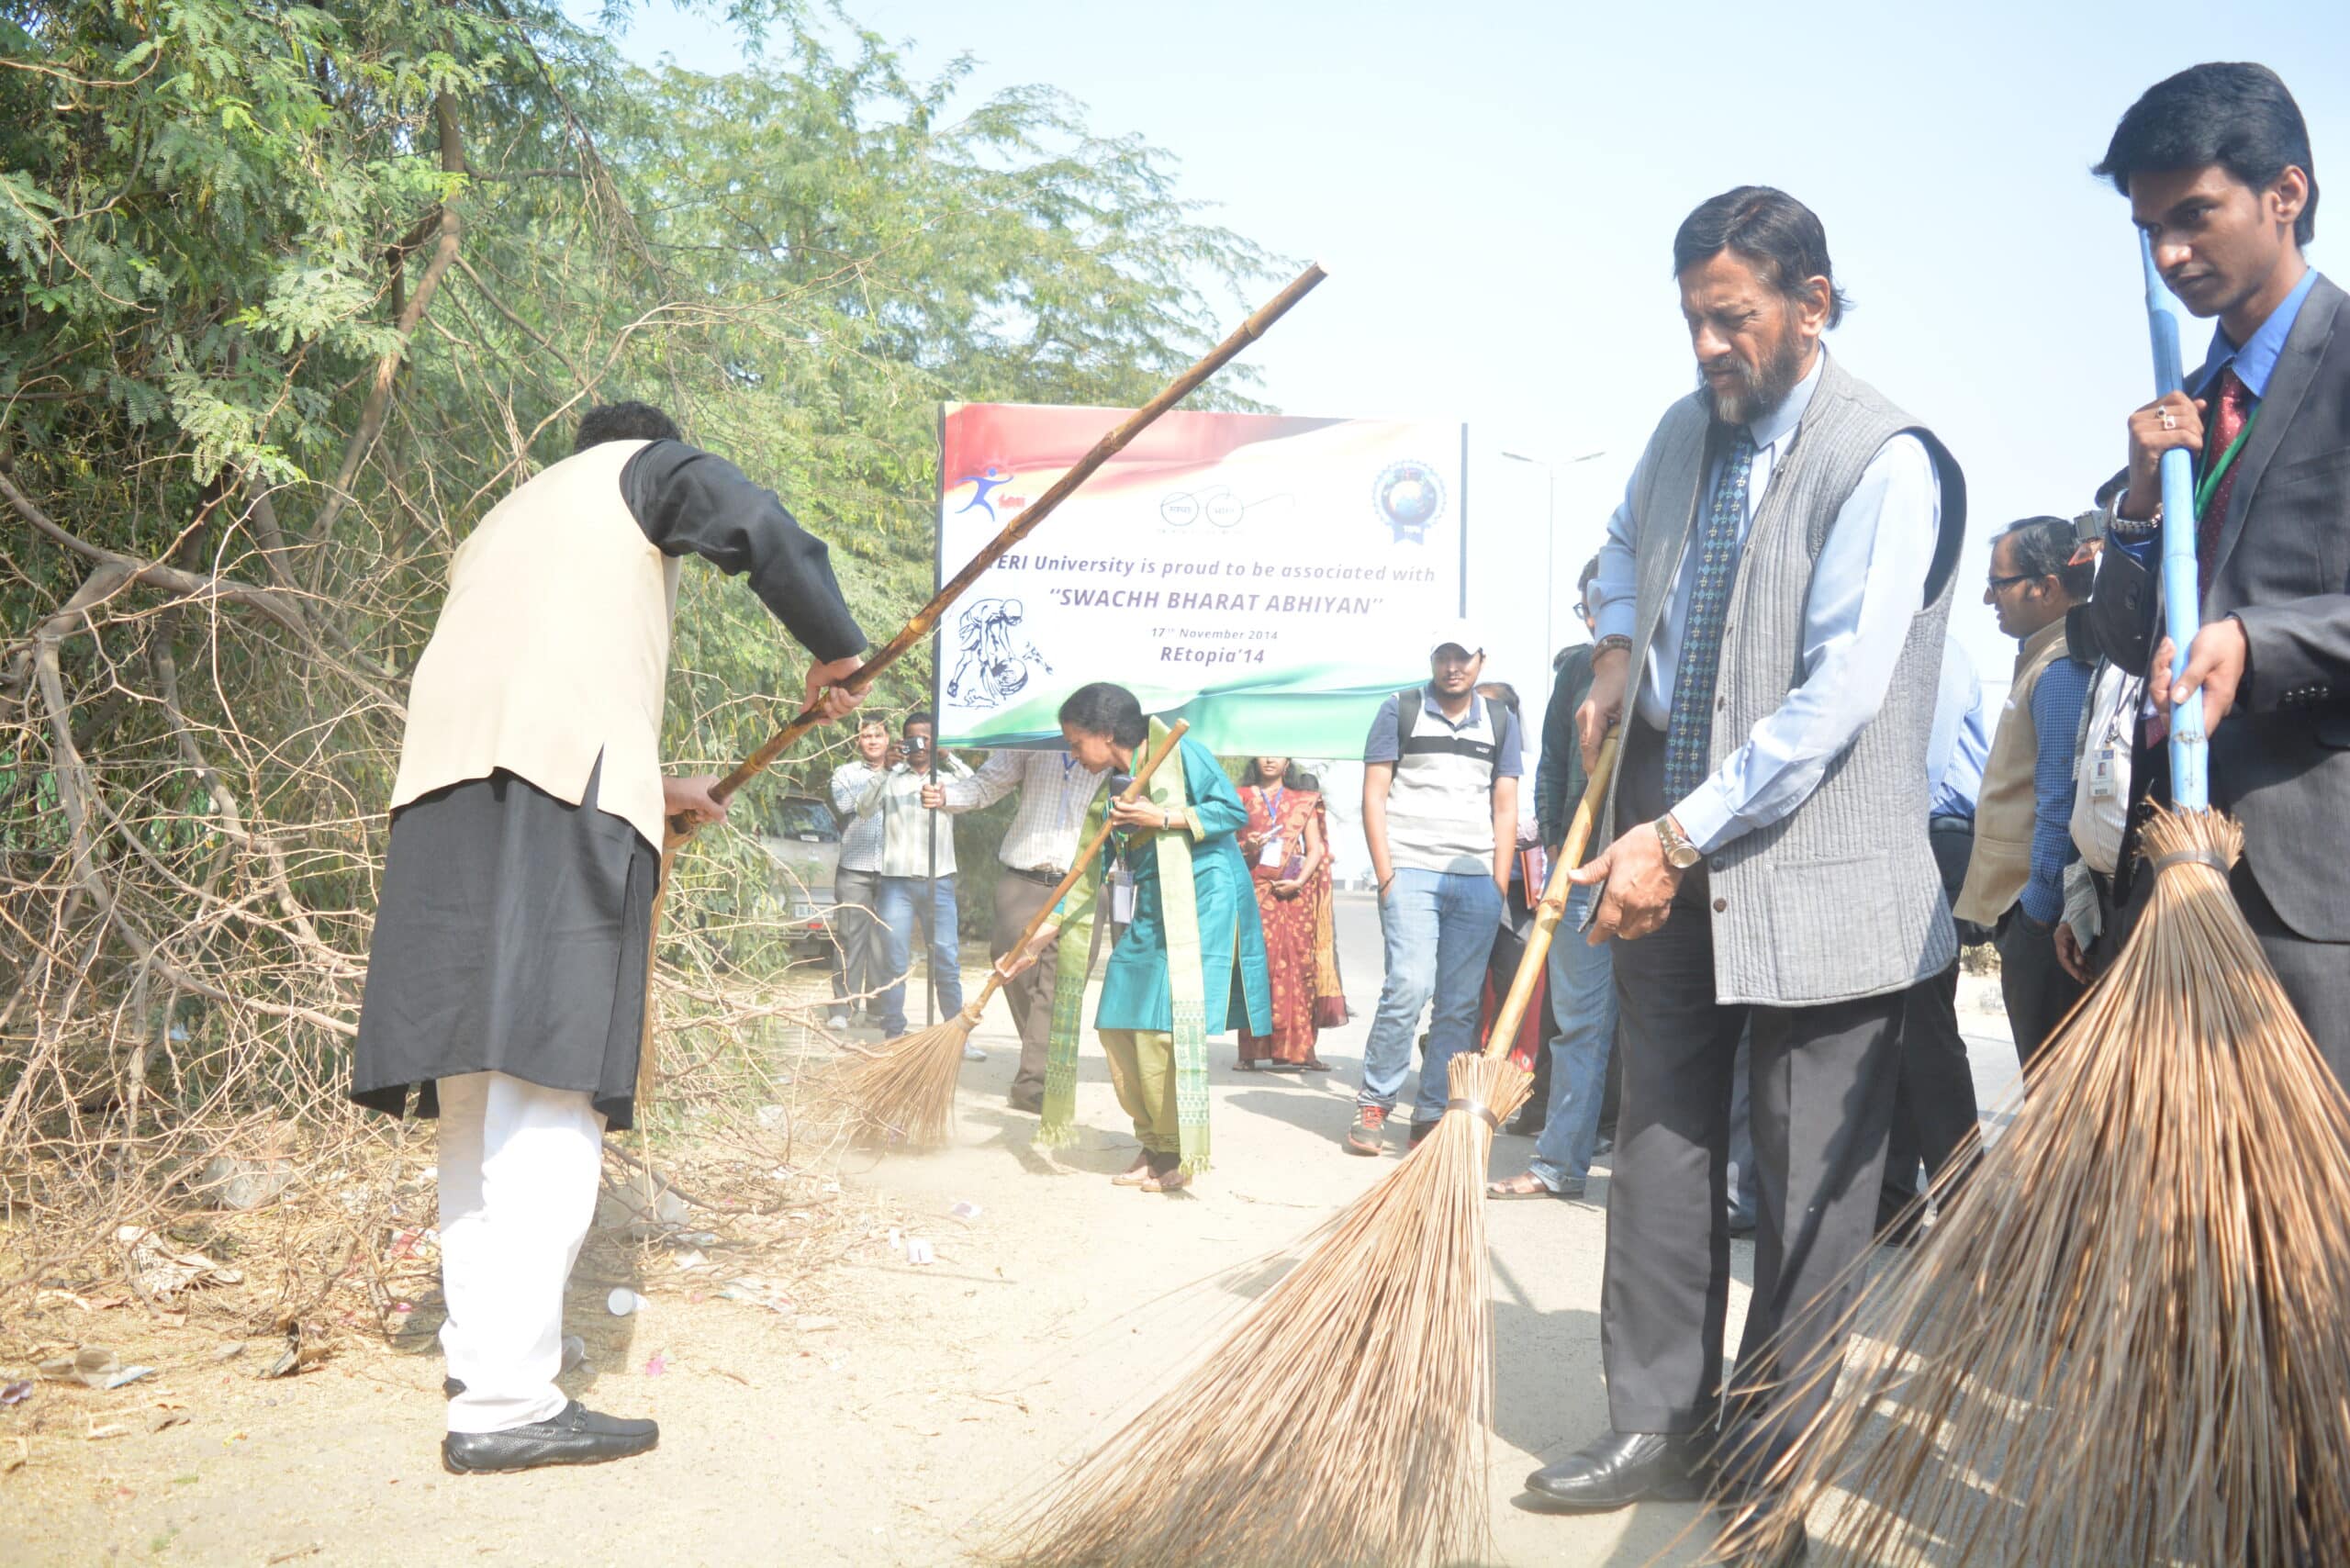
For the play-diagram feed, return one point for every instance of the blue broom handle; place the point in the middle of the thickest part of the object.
(2182, 590)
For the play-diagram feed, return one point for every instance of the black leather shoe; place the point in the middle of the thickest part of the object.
(576, 1436)
(1619, 1468)
(1033, 1103)
(1797, 1548)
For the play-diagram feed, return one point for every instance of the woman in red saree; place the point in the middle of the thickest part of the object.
(1283, 844)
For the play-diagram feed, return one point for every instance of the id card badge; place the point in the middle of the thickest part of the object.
(1270, 855)
(2103, 784)
(1121, 895)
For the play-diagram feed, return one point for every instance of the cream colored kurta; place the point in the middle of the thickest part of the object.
(552, 650)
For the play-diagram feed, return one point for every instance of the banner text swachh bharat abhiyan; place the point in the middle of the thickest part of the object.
(1268, 578)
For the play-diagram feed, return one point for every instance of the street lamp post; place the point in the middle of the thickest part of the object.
(1550, 542)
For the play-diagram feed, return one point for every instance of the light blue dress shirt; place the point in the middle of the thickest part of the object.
(1960, 745)
(1867, 586)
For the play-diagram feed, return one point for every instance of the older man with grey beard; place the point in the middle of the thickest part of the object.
(1770, 604)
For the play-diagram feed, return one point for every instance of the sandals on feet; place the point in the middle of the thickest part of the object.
(1133, 1175)
(1173, 1180)
(1524, 1184)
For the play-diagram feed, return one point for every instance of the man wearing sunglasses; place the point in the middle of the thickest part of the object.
(2015, 878)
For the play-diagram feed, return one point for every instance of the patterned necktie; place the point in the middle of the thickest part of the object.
(2227, 424)
(1688, 737)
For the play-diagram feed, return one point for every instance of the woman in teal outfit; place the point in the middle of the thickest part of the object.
(1192, 960)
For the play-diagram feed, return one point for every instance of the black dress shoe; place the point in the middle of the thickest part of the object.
(1619, 1468)
(1794, 1550)
(576, 1436)
(1031, 1103)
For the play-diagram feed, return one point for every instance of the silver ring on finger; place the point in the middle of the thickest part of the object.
(2168, 421)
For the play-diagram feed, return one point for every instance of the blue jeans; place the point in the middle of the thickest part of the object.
(898, 901)
(1582, 1001)
(1439, 927)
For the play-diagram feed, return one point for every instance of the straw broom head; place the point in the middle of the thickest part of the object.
(1284, 1445)
(2123, 1342)
(906, 1093)
(1287, 1444)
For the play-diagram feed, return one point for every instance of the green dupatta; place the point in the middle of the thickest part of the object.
(1179, 914)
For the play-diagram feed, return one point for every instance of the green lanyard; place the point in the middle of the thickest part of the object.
(2210, 483)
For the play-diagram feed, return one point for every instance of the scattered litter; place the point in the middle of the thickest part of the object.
(15, 1392)
(690, 1259)
(111, 1429)
(623, 1208)
(814, 1325)
(897, 1239)
(92, 1366)
(773, 1116)
(16, 1459)
(229, 1351)
(430, 1173)
(624, 1301)
(782, 1173)
(753, 1291)
(300, 1351)
(233, 1182)
(129, 1375)
(655, 1366)
(965, 1211)
(918, 1251)
(163, 1418)
(160, 1273)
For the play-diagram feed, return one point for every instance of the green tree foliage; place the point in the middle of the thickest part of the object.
(293, 293)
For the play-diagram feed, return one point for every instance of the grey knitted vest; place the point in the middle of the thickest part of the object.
(1839, 898)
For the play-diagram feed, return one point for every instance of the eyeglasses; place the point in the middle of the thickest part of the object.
(2001, 584)
(1583, 612)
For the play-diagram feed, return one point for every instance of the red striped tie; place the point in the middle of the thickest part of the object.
(2227, 424)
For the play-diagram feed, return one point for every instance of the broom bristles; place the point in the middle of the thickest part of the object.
(2123, 1341)
(1343, 1420)
(905, 1093)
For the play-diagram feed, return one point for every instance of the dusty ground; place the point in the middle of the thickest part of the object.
(884, 1425)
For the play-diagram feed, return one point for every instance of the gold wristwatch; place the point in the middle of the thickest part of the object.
(1679, 853)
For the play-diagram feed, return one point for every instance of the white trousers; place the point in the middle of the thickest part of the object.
(518, 1169)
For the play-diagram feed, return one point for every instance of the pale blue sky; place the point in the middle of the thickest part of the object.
(1495, 189)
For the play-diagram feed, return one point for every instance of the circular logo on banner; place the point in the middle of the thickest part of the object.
(1179, 509)
(1409, 498)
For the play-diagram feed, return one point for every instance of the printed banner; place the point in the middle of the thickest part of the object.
(1268, 578)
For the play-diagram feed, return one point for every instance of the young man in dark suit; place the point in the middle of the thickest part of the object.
(2216, 163)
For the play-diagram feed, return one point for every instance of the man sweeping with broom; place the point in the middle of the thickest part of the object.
(2217, 166)
(507, 975)
(1773, 866)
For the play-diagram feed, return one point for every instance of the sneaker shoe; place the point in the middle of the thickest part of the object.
(1419, 1135)
(1369, 1135)
(973, 1053)
(837, 1021)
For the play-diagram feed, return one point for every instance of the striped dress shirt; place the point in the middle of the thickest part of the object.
(1054, 793)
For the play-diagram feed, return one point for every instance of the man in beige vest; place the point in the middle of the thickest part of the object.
(507, 973)
(2015, 878)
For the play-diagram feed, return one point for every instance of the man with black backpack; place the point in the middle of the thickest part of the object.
(1440, 808)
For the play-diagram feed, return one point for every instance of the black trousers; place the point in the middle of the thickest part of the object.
(2037, 991)
(1934, 1109)
(1821, 1087)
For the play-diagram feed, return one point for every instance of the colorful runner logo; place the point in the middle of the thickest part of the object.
(982, 486)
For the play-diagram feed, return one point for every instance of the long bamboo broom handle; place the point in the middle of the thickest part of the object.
(1111, 443)
(2182, 591)
(1553, 907)
(678, 829)
(1133, 792)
